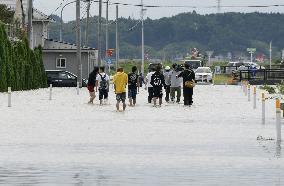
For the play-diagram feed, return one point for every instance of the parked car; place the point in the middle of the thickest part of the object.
(203, 74)
(193, 63)
(62, 78)
(233, 66)
(252, 64)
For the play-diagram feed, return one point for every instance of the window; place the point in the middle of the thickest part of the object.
(61, 63)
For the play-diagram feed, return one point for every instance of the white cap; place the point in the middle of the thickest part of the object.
(167, 68)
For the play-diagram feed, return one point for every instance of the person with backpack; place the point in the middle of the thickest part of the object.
(92, 83)
(102, 82)
(188, 83)
(133, 84)
(158, 82)
(120, 80)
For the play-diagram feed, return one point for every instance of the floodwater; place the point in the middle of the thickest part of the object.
(218, 141)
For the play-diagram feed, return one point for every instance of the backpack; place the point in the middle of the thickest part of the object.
(157, 81)
(103, 83)
(132, 79)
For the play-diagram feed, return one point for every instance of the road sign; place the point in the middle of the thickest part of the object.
(218, 70)
(251, 49)
(109, 62)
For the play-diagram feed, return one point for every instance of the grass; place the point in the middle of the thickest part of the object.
(222, 79)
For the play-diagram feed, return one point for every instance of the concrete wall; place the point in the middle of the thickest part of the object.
(49, 60)
(39, 32)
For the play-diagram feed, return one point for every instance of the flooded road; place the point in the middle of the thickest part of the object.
(218, 141)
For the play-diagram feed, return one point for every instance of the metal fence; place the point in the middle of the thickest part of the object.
(270, 76)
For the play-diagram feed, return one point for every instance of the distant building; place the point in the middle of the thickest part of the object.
(56, 55)
(62, 56)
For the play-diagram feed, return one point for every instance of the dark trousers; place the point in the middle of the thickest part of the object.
(187, 94)
(168, 90)
(150, 94)
(103, 94)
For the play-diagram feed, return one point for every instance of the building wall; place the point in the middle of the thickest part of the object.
(49, 60)
(39, 32)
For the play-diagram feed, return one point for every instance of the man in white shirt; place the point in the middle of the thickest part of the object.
(102, 81)
(149, 86)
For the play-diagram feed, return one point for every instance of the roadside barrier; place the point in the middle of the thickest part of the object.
(77, 88)
(9, 97)
(248, 87)
(254, 97)
(50, 92)
(263, 107)
(278, 120)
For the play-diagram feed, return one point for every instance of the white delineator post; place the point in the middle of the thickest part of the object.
(246, 89)
(9, 96)
(248, 92)
(78, 84)
(254, 97)
(278, 120)
(263, 107)
(50, 92)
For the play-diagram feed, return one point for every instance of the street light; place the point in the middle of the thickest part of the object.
(61, 21)
(251, 51)
(209, 53)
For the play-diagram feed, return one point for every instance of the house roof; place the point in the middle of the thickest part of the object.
(39, 16)
(50, 44)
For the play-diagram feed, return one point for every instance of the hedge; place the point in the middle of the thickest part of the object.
(20, 67)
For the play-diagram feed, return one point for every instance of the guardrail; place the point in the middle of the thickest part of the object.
(261, 76)
(230, 69)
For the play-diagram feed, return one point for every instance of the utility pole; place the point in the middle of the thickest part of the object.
(30, 23)
(117, 40)
(107, 25)
(87, 23)
(78, 43)
(100, 34)
(209, 53)
(270, 54)
(142, 30)
(219, 6)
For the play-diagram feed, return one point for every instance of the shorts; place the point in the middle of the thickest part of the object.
(132, 92)
(90, 88)
(121, 96)
(103, 94)
(157, 92)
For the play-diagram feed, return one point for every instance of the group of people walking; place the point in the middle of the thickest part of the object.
(155, 81)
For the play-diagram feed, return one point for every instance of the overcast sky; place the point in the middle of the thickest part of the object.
(49, 6)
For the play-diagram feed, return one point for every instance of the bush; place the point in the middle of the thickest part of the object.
(269, 89)
(280, 88)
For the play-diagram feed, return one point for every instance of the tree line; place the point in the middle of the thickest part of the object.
(174, 36)
(20, 67)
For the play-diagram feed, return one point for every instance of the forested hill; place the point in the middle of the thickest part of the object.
(228, 32)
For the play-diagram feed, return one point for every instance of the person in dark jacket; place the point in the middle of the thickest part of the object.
(158, 82)
(188, 75)
(92, 83)
(133, 84)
